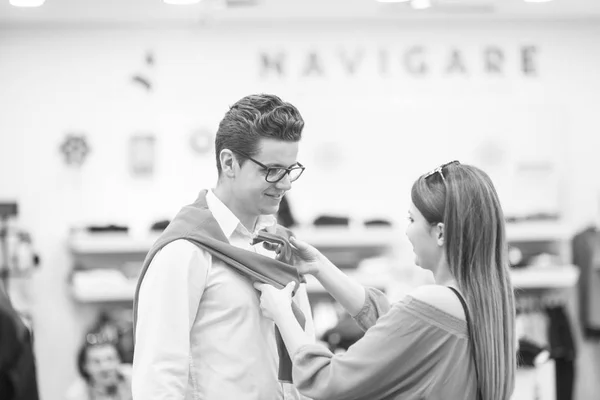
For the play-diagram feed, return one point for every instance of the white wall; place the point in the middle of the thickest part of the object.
(384, 127)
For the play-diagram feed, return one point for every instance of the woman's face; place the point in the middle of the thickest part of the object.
(102, 363)
(425, 240)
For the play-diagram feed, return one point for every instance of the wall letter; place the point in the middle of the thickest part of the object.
(351, 63)
(528, 64)
(456, 63)
(313, 65)
(414, 62)
(494, 60)
(270, 63)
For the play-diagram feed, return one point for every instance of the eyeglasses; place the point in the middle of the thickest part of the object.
(275, 174)
(440, 170)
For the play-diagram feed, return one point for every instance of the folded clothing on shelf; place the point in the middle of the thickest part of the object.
(160, 226)
(107, 228)
(378, 222)
(331, 220)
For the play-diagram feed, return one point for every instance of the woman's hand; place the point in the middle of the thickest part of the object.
(306, 258)
(275, 302)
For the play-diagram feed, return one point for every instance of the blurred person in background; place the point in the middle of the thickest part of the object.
(102, 374)
(18, 379)
(454, 339)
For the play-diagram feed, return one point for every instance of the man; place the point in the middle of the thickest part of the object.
(199, 331)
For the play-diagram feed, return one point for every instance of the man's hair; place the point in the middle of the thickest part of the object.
(467, 204)
(256, 117)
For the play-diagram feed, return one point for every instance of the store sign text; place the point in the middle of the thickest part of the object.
(415, 61)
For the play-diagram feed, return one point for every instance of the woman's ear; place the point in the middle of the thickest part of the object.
(439, 232)
(227, 160)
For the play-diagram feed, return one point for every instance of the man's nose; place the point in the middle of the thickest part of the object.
(284, 183)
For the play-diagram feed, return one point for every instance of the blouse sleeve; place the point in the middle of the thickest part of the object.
(397, 355)
(376, 305)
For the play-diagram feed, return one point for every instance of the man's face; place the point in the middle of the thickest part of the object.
(254, 195)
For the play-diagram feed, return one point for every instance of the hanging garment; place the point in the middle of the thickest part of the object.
(586, 255)
(563, 351)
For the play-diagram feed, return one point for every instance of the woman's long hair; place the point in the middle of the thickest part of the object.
(463, 197)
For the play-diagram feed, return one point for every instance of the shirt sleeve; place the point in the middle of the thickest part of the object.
(167, 306)
(396, 355)
(376, 305)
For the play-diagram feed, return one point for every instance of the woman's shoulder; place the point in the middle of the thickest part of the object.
(440, 297)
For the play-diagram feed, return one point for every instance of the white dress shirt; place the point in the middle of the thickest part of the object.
(200, 333)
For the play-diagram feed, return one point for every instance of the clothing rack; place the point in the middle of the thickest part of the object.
(540, 301)
(544, 321)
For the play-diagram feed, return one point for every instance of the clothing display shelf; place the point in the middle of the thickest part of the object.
(554, 238)
(550, 277)
(546, 277)
(539, 231)
(99, 257)
(121, 252)
(82, 243)
(98, 243)
(545, 283)
(111, 285)
(100, 287)
(106, 262)
(542, 237)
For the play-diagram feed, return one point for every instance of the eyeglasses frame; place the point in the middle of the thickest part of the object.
(288, 170)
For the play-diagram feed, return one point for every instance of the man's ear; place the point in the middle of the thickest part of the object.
(228, 162)
(439, 233)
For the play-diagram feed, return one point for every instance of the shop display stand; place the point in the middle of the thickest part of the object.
(107, 265)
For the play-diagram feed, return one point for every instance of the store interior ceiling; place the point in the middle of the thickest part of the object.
(156, 12)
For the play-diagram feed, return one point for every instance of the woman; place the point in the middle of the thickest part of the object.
(451, 340)
(103, 375)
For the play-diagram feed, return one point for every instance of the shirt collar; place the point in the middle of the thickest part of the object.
(227, 220)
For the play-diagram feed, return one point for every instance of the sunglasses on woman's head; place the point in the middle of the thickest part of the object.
(440, 170)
